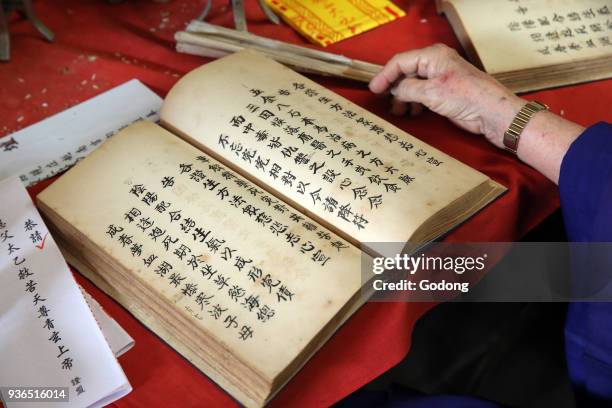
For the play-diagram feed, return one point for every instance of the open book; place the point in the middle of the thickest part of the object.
(235, 230)
(532, 44)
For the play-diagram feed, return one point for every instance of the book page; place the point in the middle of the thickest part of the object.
(327, 156)
(236, 262)
(49, 336)
(510, 35)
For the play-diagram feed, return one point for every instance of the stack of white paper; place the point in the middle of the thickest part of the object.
(48, 334)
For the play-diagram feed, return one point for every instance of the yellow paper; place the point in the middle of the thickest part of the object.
(326, 22)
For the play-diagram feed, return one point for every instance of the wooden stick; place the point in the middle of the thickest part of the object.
(219, 31)
(201, 51)
(214, 53)
(248, 40)
(212, 47)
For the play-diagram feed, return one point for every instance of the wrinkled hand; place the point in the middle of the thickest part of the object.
(438, 78)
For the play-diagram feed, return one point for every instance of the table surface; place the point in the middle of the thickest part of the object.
(99, 46)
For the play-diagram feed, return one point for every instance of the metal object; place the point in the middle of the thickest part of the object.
(518, 124)
(239, 14)
(24, 6)
(205, 12)
(268, 12)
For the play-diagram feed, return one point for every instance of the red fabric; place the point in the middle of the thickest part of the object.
(99, 46)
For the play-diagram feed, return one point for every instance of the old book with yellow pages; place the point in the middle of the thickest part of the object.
(237, 229)
(532, 44)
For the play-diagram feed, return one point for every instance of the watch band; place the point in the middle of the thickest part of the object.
(513, 134)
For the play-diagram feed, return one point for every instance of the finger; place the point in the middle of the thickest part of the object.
(411, 63)
(398, 107)
(413, 90)
(402, 64)
(416, 108)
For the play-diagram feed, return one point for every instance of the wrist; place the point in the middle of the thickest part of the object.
(500, 116)
(545, 142)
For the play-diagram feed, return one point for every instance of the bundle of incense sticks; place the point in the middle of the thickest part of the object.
(214, 41)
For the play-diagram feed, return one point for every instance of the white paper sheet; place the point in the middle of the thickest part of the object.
(55, 144)
(48, 334)
(116, 337)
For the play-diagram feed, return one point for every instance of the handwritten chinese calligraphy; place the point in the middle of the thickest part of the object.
(50, 333)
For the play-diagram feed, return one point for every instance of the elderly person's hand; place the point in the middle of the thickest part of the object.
(438, 78)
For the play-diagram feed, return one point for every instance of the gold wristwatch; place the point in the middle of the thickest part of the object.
(513, 134)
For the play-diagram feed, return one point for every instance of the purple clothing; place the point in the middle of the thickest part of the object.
(585, 186)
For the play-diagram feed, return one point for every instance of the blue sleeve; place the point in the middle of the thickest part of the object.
(585, 186)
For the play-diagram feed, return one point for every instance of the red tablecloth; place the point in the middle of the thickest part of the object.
(99, 46)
